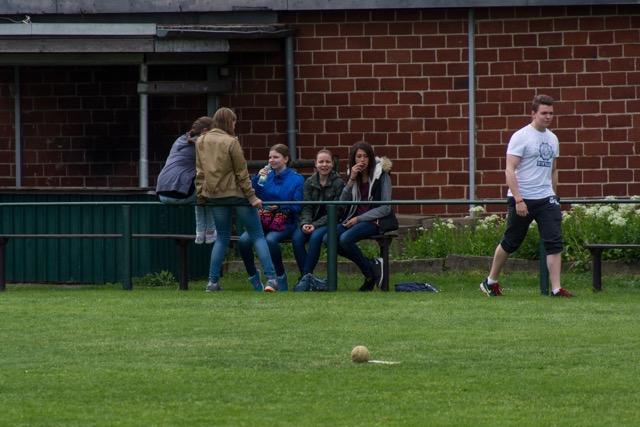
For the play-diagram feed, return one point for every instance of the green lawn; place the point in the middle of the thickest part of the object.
(97, 355)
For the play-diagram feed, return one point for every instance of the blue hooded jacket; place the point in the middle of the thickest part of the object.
(285, 186)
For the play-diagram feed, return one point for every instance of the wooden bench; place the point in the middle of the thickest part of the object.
(596, 250)
(182, 240)
(384, 242)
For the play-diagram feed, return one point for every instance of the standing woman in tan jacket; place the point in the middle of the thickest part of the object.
(222, 177)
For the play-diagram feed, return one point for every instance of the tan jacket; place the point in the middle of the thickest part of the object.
(221, 169)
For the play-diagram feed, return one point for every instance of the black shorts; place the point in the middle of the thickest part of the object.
(547, 214)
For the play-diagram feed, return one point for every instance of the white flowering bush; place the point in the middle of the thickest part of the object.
(476, 235)
(615, 222)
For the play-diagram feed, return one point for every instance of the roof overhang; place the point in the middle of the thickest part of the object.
(133, 43)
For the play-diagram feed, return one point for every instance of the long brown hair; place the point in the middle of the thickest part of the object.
(199, 126)
(223, 119)
(363, 145)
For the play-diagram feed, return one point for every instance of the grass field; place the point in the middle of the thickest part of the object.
(100, 356)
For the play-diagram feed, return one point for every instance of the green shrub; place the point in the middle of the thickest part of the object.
(155, 280)
(615, 222)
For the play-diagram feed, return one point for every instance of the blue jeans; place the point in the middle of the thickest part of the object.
(204, 214)
(348, 239)
(273, 241)
(251, 221)
(307, 258)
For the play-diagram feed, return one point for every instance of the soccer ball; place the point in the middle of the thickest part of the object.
(360, 354)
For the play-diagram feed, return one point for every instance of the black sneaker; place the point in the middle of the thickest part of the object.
(491, 290)
(378, 271)
(368, 285)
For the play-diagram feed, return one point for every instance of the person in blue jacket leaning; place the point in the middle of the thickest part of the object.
(278, 221)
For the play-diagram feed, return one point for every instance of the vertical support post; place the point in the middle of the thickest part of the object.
(290, 96)
(17, 115)
(143, 166)
(3, 263)
(596, 269)
(332, 248)
(126, 251)
(544, 272)
(184, 259)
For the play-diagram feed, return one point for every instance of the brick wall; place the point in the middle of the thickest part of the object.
(397, 79)
(80, 125)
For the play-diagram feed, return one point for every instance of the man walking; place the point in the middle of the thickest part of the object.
(532, 178)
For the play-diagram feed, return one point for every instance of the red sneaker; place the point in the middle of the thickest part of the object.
(490, 290)
(562, 293)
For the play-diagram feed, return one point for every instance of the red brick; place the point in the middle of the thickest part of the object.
(550, 39)
(434, 69)
(560, 52)
(593, 136)
(342, 85)
(490, 27)
(410, 98)
(383, 43)
(451, 27)
(368, 56)
(616, 136)
(324, 58)
(532, 54)
(500, 41)
(351, 29)
(591, 79)
(327, 30)
(317, 85)
(458, 41)
(486, 55)
(577, 38)
(565, 24)
(489, 82)
(399, 112)
(411, 125)
(357, 43)
(623, 92)
(632, 50)
(614, 79)
(634, 106)
(590, 191)
(628, 36)
(416, 84)
(502, 67)
(333, 43)
(367, 84)
(364, 70)
(623, 64)
(391, 84)
(592, 24)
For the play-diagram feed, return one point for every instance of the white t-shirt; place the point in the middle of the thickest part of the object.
(536, 151)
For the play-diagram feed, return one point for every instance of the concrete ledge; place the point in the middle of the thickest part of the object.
(429, 265)
(481, 264)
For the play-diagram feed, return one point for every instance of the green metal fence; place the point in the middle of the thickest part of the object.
(98, 260)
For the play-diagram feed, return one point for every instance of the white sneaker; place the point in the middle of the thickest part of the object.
(210, 237)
